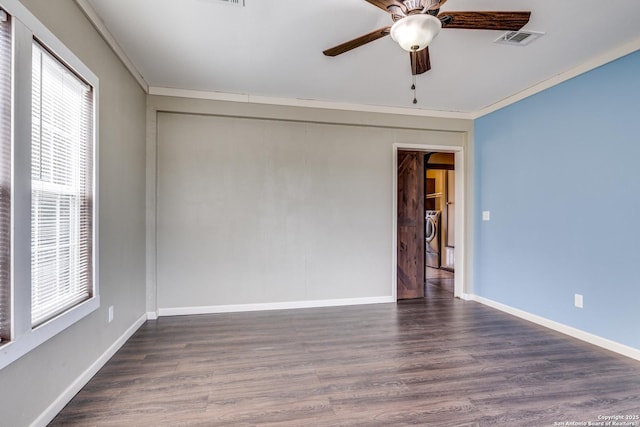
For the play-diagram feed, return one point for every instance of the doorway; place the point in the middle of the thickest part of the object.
(428, 222)
(439, 172)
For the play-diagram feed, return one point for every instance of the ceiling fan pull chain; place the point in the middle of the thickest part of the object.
(413, 88)
(414, 64)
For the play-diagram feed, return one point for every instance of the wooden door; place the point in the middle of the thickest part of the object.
(411, 196)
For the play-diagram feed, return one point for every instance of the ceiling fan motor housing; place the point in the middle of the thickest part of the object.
(411, 7)
(420, 5)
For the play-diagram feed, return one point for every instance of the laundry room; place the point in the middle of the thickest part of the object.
(439, 221)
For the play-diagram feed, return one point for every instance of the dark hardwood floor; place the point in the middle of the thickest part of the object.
(432, 362)
(438, 283)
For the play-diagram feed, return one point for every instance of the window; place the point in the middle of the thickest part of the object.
(61, 187)
(48, 181)
(5, 176)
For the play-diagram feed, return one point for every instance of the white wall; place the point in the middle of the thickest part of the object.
(257, 205)
(37, 384)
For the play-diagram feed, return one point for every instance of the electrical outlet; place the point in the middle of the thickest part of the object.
(486, 215)
(110, 313)
(578, 300)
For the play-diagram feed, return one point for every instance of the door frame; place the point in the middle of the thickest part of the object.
(461, 240)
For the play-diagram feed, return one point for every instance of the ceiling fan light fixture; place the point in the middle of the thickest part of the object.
(415, 32)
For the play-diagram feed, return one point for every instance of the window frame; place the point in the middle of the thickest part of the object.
(60, 176)
(25, 29)
(5, 176)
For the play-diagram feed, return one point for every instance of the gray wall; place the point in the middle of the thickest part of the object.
(31, 384)
(269, 205)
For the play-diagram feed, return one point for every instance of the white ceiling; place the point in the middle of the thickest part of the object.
(273, 48)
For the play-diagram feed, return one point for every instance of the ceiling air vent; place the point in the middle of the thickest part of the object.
(232, 2)
(518, 38)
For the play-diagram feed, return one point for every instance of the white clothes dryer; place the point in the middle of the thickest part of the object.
(432, 238)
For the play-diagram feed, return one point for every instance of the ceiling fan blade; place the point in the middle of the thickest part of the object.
(506, 21)
(357, 42)
(420, 61)
(384, 4)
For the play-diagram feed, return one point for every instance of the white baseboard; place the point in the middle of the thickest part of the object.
(466, 297)
(152, 315)
(236, 308)
(607, 344)
(49, 414)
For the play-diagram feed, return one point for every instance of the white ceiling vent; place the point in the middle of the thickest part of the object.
(233, 2)
(518, 38)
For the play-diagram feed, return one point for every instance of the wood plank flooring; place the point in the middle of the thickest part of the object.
(432, 362)
(438, 283)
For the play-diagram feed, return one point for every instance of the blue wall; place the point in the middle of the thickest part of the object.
(560, 173)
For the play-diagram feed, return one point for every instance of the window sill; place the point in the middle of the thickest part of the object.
(21, 345)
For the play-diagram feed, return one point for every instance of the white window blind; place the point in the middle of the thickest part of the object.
(61, 188)
(5, 177)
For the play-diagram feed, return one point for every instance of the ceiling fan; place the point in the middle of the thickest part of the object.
(417, 22)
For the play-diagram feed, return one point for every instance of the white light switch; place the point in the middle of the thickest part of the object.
(578, 301)
(486, 215)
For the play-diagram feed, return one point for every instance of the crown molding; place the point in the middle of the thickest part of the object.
(309, 103)
(102, 29)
